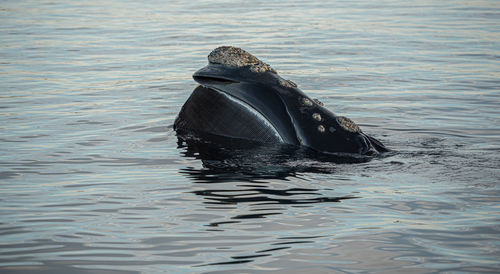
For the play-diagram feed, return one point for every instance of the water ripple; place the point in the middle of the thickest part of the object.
(93, 179)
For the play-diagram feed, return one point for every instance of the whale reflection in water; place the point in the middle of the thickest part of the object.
(238, 174)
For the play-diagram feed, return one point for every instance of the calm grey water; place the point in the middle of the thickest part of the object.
(92, 179)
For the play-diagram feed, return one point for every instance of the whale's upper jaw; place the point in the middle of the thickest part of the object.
(215, 75)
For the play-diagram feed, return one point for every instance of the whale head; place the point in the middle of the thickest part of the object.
(241, 97)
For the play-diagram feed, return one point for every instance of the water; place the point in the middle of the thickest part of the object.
(92, 178)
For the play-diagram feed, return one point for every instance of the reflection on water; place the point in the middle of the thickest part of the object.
(244, 170)
(264, 196)
(92, 178)
(234, 158)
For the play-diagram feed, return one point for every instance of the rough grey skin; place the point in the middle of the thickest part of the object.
(244, 98)
(236, 57)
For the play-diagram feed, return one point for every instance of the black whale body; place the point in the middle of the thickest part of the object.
(242, 98)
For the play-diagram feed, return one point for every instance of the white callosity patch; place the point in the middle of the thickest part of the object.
(348, 124)
(306, 102)
(317, 117)
(318, 102)
(236, 57)
(321, 128)
(287, 83)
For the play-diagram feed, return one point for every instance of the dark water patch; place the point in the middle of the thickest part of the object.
(299, 237)
(132, 128)
(8, 174)
(68, 205)
(58, 268)
(227, 263)
(273, 249)
(33, 136)
(223, 223)
(102, 162)
(253, 216)
(68, 236)
(12, 232)
(260, 196)
(153, 129)
(139, 208)
(293, 242)
(227, 163)
(86, 122)
(483, 55)
(27, 171)
(11, 141)
(89, 234)
(91, 143)
(249, 256)
(158, 139)
(107, 210)
(88, 185)
(99, 255)
(47, 221)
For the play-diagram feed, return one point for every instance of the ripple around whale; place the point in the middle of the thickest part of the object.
(255, 160)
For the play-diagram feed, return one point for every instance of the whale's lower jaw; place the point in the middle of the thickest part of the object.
(218, 113)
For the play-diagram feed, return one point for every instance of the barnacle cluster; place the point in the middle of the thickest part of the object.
(236, 57)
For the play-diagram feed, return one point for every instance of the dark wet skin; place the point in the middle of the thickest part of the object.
(290, 113)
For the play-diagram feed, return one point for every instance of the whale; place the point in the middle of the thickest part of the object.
(239, 97)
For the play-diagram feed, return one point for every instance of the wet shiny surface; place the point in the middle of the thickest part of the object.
(91, 177)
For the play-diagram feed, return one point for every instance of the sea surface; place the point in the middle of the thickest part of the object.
(93, 180)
